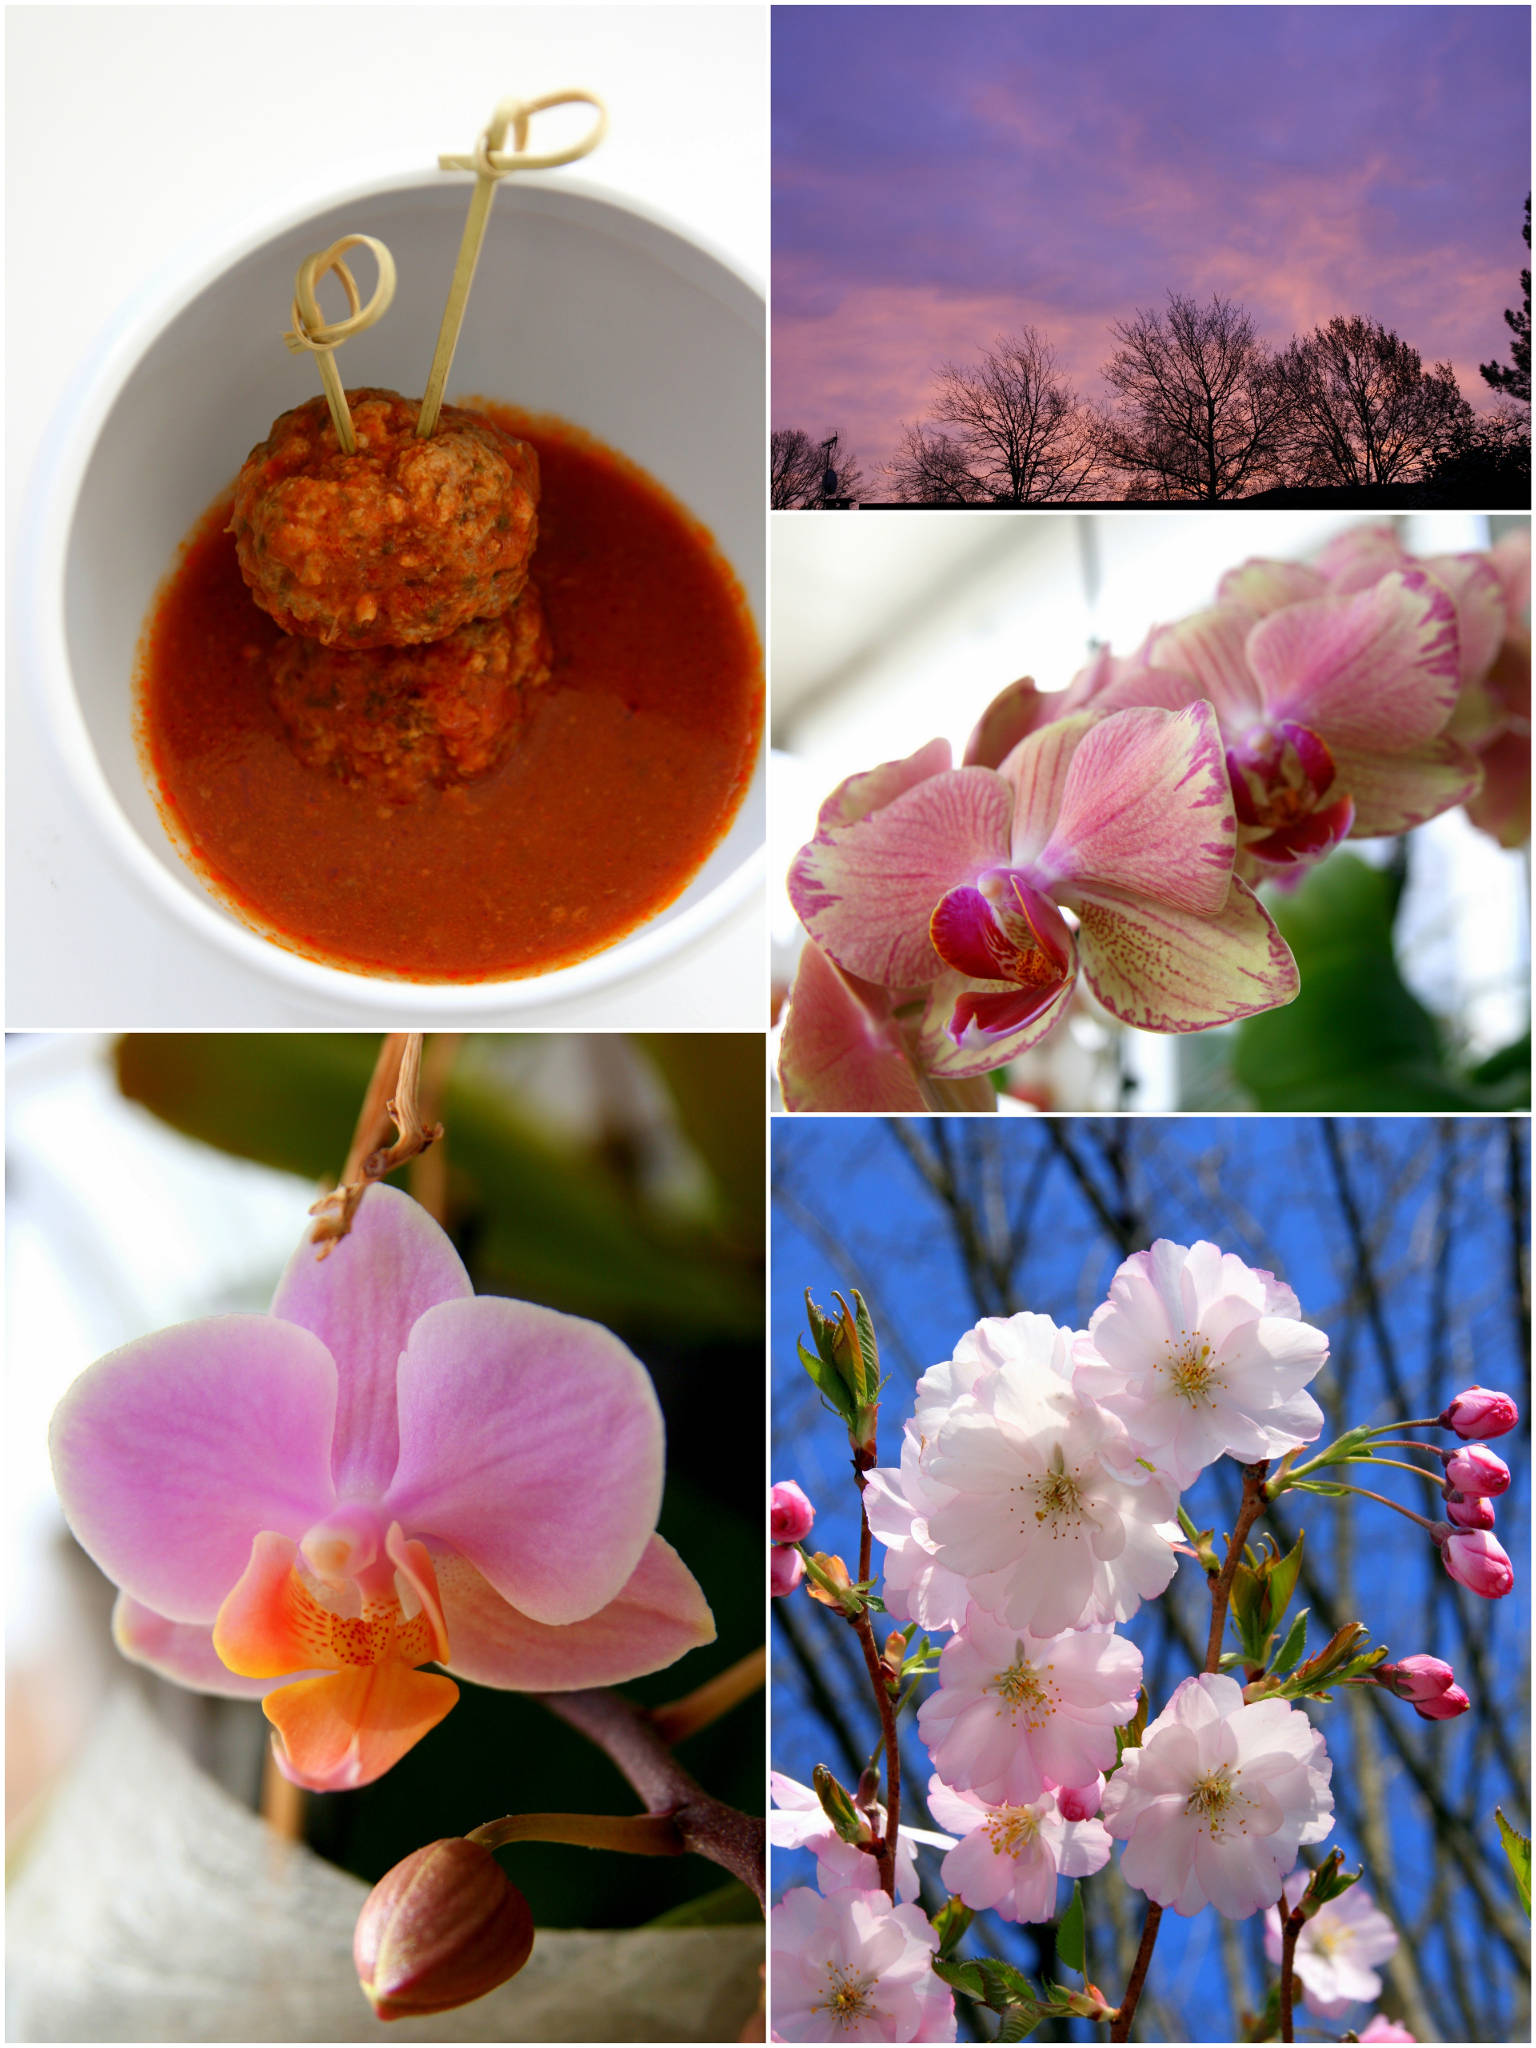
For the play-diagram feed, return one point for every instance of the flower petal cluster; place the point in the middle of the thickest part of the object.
(1015, 1712)
(797, 1821)
(1427, 1683)
(949, 883)
(1216, 1802)
(1380, 2028)
(1200, 1355)
(1018, 1489)
(852, 1966)
(1336, 1949)
(1010, 1856)
(382, 1472)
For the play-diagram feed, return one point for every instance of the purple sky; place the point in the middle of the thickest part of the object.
(946, 174)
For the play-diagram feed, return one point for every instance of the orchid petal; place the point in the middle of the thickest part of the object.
(1012, 715)
(1163, 970)
(181, 1651)
(1146, 810)
(1480, 615)
(349, 1727)
(839, 1050)
(1036, 772)
(1361, 556)
(1264, 586)
(865, 892)
(658, 1616)
(532, 1442)
(1502, 807)
(360, 1300)
(1377, 672)
(1210, 648)
(873, 788)
(1395, 792)
(169, 1452)
(1002, 931)
(978, 1051)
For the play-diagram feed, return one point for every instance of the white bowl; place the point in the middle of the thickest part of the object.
(584, 305)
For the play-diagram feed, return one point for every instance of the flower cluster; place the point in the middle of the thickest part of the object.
(1114, 831)
(1474, 1478)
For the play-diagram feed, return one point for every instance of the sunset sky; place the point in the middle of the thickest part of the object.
(946, 174)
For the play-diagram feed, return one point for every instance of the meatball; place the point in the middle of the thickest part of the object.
(398, 720)
(403, 542)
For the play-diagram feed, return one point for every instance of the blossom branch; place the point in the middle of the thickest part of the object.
(1289, 1933)
(1253, 1504)
(1120, 2026)
(886, 1854)
(736, 1841)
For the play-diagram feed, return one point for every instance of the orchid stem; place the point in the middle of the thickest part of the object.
(638, 1834)
(707, 1702)
(390, 1102)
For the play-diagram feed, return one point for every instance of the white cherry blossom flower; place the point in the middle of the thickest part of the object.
(1010, 1856)
(1015, 1711)
(855, 1967)
(1335, 1949)
(1215, 1803)
(797, 1821)
(1200, 1355)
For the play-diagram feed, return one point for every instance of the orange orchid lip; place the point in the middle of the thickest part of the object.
(369, 1704)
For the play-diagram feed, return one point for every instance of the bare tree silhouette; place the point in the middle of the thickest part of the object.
(797, 470)
(1021, 435)
(930, 469)
(1201, 412)
(1365, 410)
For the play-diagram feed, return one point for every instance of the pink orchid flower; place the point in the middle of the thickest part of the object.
(382, 1472)
(950, 884)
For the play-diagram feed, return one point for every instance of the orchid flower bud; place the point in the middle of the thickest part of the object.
(1428, 1684)
(1468, 1510)
(786, 1568)
(1474, 1469)
(790, 1514)
(1476, 1560)
(440, 1929)
(1479, 1412)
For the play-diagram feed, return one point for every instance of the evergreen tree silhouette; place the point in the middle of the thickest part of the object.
(1516, 379)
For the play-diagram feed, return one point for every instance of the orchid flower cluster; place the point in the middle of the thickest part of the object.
(1116, 832)
(1034, 1508)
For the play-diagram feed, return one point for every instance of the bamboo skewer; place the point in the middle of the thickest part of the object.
(312, 331)
(490, 161)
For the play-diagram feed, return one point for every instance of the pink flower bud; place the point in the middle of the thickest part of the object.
(790, 1514)
(1428, 1684)
(441, 1928)
(1476, 1560)
(786, 1568)
(1080, 1802)
(1475, 1469)
(1480, 1412)
(1469, 1510)
(1383, 2029)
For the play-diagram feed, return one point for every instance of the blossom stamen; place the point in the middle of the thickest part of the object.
(848, 1997)
(1011, 1830)
(1193, 1368)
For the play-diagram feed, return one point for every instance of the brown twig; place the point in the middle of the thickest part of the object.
(707, 1702)
(736, 1841)
(1290, 1929)
(1252, 1507)
(885, 1856)
(428, 1177)
(1120, 2026)
(390, 1103)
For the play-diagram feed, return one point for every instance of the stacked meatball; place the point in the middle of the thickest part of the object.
(400, 574)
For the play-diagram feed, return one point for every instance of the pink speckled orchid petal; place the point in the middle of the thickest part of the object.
(658, 1616)
(1378, 672)
(1307, 840)
(1164, 970)
(360, 1300)
(1395, 792)
(1263, 586)
(874, 788)
(171, 1451)
(839, 1049)
(1003, 931)
(1146, 810)
(531, 1442)
(865, 892)
(181, 1651)
(976, 1050)
(1356, 559)
(1012, 715)
(1502, 807)
(1480, 615)
(1210, 648)
(1036, 771)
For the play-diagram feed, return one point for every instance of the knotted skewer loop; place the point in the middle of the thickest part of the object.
(311, 330)
(490, 160)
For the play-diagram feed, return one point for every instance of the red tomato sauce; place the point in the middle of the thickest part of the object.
(630, 767)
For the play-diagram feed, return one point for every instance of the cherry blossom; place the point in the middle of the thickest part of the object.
(786, 1568)
(950, 883)
(1476, 1560)
(1010, 1856)
(854, 1967)
(1200, 1355)
(790, 1514)
(1217, 1800)
(252, 1482)
(799, 1822)
(1479, 1412)
(1335, 1949)
(1469, 1510)
(1474, 1469)
(1380, 2028)
(1014, 1712)
(1028, 1491)
(1427, 1683)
